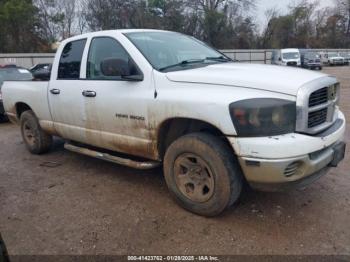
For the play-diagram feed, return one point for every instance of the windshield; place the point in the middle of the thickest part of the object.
(175, 50)
(14, 74)
(291, 55)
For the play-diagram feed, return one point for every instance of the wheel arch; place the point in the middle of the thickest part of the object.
(20, 108)
(173, 128)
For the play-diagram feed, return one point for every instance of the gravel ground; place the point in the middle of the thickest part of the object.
(65, 203)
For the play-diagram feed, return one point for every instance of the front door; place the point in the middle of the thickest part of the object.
(116, 109)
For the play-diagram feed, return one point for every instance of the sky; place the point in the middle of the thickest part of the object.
(263, 5)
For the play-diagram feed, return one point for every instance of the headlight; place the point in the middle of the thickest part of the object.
(263, 117)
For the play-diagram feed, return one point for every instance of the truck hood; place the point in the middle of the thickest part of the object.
(272, 78)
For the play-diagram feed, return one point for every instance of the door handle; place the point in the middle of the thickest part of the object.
(55, 91)
(89, 93)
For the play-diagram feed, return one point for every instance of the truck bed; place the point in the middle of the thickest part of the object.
(33, 93)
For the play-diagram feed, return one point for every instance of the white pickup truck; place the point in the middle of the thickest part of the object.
(145, 98)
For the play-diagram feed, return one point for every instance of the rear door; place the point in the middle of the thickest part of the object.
(65, 96)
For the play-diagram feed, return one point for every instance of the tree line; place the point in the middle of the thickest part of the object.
(35, 25)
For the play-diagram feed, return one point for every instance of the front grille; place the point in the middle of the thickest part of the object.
(292, 64)
(317, 118)
(317, 108)
(319, 97)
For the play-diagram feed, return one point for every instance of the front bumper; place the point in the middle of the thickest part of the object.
(288, 161)
(314, 65)
(337, 62)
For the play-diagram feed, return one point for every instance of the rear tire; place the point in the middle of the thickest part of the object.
(36, 140)
(202, 174)
(3, 118)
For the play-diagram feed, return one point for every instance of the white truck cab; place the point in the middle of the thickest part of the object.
(145, 98)
(286, 57)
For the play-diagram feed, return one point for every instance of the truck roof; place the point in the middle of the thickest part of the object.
(111, 32)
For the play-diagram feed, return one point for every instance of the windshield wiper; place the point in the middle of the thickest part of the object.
(219, 58)
(183, 63)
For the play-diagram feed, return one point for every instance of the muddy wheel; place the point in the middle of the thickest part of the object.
(202, 174)
(35, 139)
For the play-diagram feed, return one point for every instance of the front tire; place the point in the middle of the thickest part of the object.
(202, 174)
(36, 140)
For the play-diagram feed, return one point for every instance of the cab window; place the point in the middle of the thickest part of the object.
(70, 61)
(103, 49)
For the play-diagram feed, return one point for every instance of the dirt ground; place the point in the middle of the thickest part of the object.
(86, 206)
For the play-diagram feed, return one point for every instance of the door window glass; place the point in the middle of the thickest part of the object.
(69, 67)
(102, 49)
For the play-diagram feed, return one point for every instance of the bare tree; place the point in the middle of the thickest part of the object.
(270, 15)
(50, 18)
(81, 16)
(343, 9)
(320, 20)
(68, 8)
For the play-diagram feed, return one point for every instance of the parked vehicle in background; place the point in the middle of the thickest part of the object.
(11, 74)
(8, 66)
(346, 56)
(145, 98)
(332, 58)
(43, 73)
(38, 67)
(310, 60)
(286, 57)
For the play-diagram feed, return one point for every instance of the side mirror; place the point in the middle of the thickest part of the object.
(42, 75)
(279, 59)
(119, 68)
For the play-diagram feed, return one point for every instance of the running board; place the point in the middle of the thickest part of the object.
(113, 159)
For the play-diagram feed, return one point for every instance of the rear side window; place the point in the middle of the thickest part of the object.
(70, 61)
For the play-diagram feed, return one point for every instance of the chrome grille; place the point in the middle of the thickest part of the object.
(319, 102)
(317, 118)
(319, 97)
(317, 106)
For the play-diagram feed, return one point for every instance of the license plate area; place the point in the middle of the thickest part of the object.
(339, 154)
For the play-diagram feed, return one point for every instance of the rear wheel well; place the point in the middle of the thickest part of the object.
(175, 128)
(20, 108)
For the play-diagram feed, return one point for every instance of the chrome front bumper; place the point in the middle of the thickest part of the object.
(281, 162)
(276, 175)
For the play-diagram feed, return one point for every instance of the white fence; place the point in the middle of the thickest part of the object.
(26, 60)
(259, 56)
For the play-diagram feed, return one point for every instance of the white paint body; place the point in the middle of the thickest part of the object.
(202, 94)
